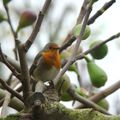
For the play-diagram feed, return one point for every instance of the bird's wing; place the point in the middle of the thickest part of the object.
(35, 62)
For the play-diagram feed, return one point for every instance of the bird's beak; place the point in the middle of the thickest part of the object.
(58, 48)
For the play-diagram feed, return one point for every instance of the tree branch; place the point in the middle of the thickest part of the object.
(67, 44)
(82, 12)
(55, 111)
(5, 104)
(70, 38)
(12, 62)
(16, 94)
(7, 99)
(70, 61)
(101, 11)
(104, 93)
(38, 25)
(4, 60)
(15, 103)
(81, 56)
(12, 30)
(87, 102)
(24, 73)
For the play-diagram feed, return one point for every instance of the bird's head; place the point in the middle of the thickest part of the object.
(51, 47)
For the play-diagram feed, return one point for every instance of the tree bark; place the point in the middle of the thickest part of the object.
(56, 111)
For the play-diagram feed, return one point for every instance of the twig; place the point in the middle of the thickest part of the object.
(67, 44)
(12, 62)
(24, 73)
(82, 12)
(13, 32)
(97, 97)
(5, 103)
(7, 99)
(79, 39)
(87, 102)
(78, 76)
(101, 11)
(81, 56)
(1, 101)
(4, 60)
(19, 89)
(38, 25)
(16, 94)
(15, 103)
(9, 80)
(70, 38)
(9, 21)
(70, 61)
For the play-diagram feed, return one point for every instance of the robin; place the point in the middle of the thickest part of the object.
(46, 65)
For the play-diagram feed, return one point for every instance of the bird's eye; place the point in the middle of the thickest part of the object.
(51, 48)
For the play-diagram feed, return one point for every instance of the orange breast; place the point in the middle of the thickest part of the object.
(52, 58)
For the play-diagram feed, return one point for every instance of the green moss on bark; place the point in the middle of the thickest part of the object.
(57, 111)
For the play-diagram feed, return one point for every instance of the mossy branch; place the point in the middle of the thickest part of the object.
(56, 111)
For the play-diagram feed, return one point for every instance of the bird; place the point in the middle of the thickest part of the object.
(46, 65)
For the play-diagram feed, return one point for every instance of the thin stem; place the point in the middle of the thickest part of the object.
(16, 94)
(67, 44)
(13, 32)
(81, 56)
(82, 12)
(12, 62)
(70, 38)
(7, 99)
(4, 60)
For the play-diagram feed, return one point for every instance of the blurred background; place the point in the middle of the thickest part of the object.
(58, 22)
